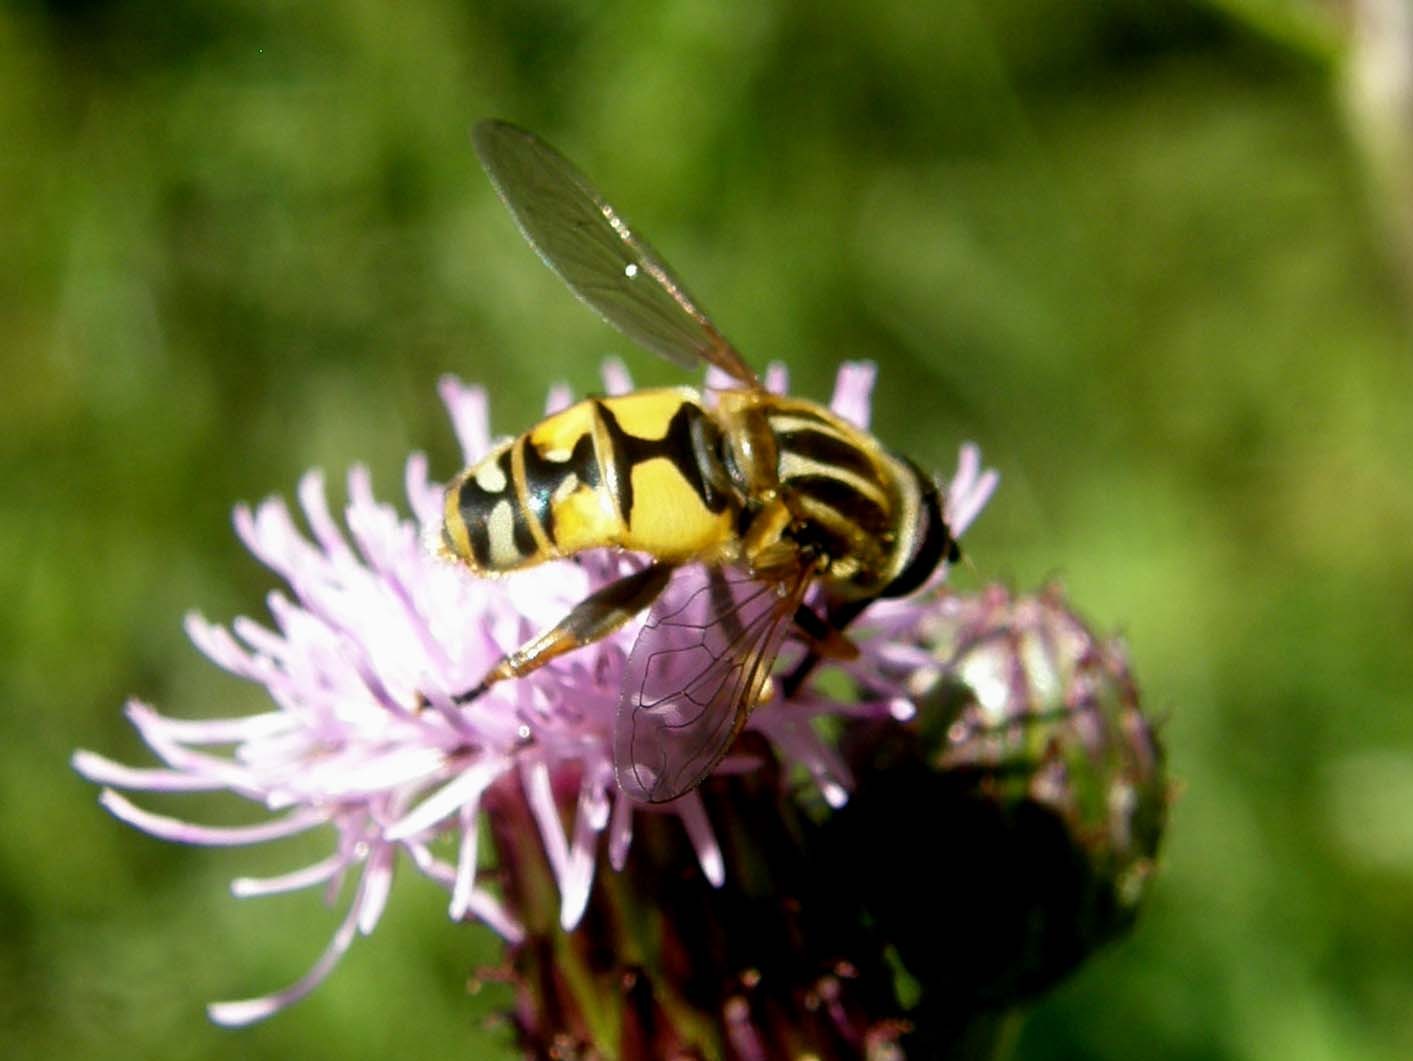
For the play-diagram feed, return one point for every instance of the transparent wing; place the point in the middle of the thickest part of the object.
(696, 671)
(583, 239)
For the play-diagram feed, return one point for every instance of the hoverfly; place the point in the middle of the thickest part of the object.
(740, 505)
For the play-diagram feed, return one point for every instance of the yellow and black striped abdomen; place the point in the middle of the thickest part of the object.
(639, 471)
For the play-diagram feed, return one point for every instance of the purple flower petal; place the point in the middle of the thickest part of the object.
(181, 832)
(560, 397)
(620, 832)
(777, 378)
(425, 499)
(320, 872)
(800, 743)
(689, 808)
(464, 884)
(539, 795)
(316, 509)
(717, 380)
(470, 416)
(104, 771)
(373, 896)
(969, 491)
(248, 1011)
(465, 789)
(853, 392)
(615, 375)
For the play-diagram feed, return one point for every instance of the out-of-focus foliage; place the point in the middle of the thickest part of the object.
(1129, 246)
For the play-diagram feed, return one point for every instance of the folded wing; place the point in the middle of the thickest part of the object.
(699, 666)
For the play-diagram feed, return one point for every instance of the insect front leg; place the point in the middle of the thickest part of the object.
(828, 639)
(592, 619)
(771, 553)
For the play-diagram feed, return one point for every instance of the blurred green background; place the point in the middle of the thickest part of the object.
(1151, 255)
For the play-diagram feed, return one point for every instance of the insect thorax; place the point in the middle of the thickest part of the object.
(856, 506)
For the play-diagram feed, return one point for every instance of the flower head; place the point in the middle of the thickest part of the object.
(363, 660)
(1047, 783)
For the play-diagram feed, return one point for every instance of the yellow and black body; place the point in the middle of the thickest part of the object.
(638, 472)
(657, 472)
(741, 503)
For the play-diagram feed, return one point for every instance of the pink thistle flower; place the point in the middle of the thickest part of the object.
(364, 655)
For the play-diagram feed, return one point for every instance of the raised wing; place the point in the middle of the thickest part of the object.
(583, 239)
(697, 669)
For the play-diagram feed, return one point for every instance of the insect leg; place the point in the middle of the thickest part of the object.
(828, 642)
(828, 637)
(764, 537)
(592, 619)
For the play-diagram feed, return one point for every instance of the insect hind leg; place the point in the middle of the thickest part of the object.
(591, 620)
